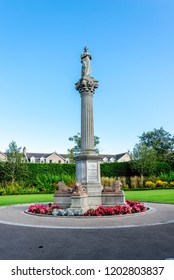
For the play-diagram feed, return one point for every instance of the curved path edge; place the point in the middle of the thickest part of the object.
(157, 214)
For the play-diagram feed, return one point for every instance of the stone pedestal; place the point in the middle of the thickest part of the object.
(62, 199)
(79, 202)
(88, 173)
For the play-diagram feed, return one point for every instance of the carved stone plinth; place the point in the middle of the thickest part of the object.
(62, 199)
(79, 202)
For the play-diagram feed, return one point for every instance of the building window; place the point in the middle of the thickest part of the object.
(51, 161)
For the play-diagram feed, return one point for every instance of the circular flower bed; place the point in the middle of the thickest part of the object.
(129, 207)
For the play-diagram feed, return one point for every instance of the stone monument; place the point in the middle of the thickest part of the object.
(87, 192)
(88, 161)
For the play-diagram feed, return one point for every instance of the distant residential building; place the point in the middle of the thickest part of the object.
(123, 157)
(47, 158)
(63, 158)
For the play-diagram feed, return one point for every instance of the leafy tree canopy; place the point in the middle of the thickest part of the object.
(14, 168)
(159, 140)
(13, 153)
(144, 159)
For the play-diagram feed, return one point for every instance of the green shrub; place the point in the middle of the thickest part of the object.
(169, 177)
(162, 167)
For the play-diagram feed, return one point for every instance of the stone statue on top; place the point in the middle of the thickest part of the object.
(85, 60)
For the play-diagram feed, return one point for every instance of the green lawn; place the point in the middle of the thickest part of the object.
(26, 198)
(166, 196)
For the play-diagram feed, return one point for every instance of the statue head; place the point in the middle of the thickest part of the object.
(85, 49)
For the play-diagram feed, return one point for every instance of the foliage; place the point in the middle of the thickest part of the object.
(139, 182)
(14, 168)
(16, 189)
(162, 167)
(159, 140)
(77, 148)
(36, 171)
(169, 177)
(116, 169)
(144, 159)
(47, 182)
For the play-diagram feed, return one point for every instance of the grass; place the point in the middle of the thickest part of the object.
(163, 196)
(25, 198)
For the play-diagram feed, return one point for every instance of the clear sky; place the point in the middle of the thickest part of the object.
(132, 47)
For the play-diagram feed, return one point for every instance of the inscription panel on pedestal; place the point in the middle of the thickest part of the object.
(92, 172)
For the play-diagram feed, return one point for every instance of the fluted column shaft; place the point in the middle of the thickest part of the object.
(86, 87)
(87, 122)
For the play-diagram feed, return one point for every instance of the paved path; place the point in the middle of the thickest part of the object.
(158, 214)
(143, 236)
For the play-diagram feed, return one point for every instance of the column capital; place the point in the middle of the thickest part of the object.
(86, 85)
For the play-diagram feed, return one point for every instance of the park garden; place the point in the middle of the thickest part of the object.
(149, 176)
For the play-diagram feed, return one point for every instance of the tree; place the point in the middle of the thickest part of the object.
(144, 159)
(14, 168)
(77, 141)
(159, 140)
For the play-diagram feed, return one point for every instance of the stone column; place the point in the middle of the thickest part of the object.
(88, 161)
(86, 87)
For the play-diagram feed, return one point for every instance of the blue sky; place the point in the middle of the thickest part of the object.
(132, 47)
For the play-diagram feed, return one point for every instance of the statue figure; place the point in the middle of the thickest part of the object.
(85, 60)
(117, 186)
(62, 188)
(78, 189)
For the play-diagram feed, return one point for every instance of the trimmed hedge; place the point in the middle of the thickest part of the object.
(107, 170)
(116, 169)
(35, 169)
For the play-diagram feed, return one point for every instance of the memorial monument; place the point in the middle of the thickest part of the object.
(88, 191)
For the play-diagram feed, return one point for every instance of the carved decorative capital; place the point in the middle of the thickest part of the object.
(86, 84)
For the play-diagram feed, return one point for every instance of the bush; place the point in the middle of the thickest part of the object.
(16, 189)
(162, 167)
(169, 177)
(116, 169)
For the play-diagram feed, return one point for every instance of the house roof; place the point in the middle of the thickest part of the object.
(117, 157)
(2, 153)
(64, 156)
(44, 155)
